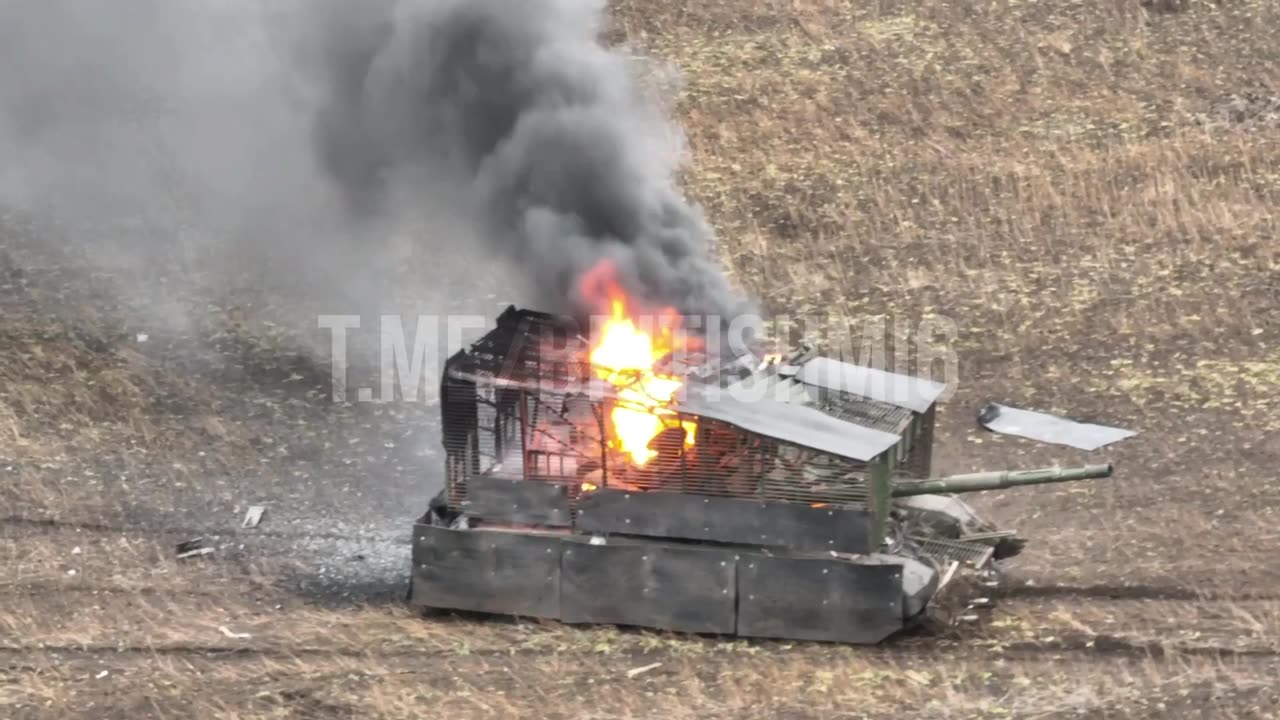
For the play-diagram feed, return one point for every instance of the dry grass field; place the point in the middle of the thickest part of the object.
(1088, 189)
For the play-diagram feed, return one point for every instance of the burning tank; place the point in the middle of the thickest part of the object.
(606, 481)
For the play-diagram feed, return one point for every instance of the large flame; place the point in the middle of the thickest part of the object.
(625, 355)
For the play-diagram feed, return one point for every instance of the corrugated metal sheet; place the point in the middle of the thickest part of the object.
(796, 424)
(867, 413)
(862, 411)
(1049, 428)
(915, 394)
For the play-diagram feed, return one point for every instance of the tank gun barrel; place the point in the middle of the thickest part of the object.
(976, 482)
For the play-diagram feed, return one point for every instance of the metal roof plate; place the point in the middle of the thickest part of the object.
(796, 424)
(915, 394)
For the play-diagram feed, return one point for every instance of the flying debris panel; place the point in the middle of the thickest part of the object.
(1049, 428)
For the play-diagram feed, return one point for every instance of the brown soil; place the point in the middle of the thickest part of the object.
(1087, 189)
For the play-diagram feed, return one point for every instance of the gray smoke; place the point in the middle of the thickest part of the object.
(317, 149)
(171, 139)
(175, 139)
(533, 127)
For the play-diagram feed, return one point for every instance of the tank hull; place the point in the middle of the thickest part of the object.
(668, 585)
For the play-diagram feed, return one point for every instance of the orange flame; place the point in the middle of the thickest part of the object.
(625, 355)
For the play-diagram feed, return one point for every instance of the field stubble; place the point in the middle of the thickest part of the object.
(1083, 187)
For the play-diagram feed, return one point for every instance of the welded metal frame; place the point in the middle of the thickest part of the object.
(542, 518)
(503, 397)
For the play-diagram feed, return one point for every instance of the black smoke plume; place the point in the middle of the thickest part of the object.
(544, 136)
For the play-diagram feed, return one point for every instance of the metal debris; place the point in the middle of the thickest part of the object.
(948, 574)
(643, 669)
(253, 516)
(1049, 428)
(194, 547)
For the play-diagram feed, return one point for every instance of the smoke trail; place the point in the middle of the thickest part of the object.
(543, 134)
